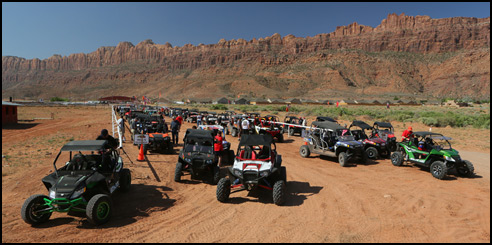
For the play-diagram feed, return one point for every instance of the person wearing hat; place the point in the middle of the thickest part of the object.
(407, 134)
(110, 141)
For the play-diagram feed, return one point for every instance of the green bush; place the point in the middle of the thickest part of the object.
(429, 121)
(57, 99)
(218, 107)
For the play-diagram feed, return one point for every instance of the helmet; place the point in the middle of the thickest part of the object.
(421, 143)
(410, 128)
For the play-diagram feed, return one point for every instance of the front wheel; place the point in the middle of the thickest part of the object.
(396, 158)
(438, 169)
(223, 190)
(291, 131)
(178, 172)
(170, 149)
(216, 175)
(279, 192)
(304, 151)
(280, 138)
(125, 180)
(30, 211)
(363, 158)
(99, 209)
(283, 173)
(466, 170)
(342, 159)
(372, 152)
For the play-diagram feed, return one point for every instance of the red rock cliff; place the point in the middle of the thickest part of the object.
(419, 34)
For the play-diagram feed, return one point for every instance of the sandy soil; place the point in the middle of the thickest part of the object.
(377, 202)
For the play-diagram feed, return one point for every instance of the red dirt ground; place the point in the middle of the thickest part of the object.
(377, 202)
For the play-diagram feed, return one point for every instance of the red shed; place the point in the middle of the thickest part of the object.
(9, 112)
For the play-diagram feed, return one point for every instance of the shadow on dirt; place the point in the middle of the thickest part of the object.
(152, 169)
(353, 162)
(140, 201)
(55, 222)
(19, 126)
(297, 192)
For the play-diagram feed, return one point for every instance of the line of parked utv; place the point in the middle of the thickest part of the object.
(83, 186)
(361, 141)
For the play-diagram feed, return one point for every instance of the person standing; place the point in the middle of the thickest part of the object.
(387, 105)
(121, 128)
(175, 131)
(337, 103)
(199, 120)
(244, 126)
(179, 118)
(407, 134)
(304, 124)
(218, 147)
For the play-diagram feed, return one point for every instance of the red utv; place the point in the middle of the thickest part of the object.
(374, 146)
(385, 131)
(266, 125)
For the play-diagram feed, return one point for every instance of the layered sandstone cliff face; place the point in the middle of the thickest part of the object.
(230, 65)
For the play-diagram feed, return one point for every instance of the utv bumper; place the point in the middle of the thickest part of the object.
(64, 204)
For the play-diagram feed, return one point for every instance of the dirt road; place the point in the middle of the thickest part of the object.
(377, 202)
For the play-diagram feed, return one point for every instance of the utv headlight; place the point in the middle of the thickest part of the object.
(238, 172)
(78, 193)
(449, 158)
(264, 173)
(209, 161)
(187, 159)
(383, 144)
(52, 194)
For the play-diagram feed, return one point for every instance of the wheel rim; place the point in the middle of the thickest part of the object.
(303, 151)
(102, 210)
(437, 170)
(370, 154)
(34, 213)
(394, 158)
(463, 170)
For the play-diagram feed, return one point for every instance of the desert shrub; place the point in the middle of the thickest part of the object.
(218, 107)
(57, 99)
(429, 121)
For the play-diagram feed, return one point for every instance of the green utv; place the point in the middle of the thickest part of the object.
(82, 187)
(432, 150)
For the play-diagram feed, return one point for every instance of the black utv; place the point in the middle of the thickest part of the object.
(330, 139)
(198, 157)
(82, 186)
(159, 139)
(323, 119)
(293, 129)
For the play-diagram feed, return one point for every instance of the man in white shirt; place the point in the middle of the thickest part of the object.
(121, 128)
(244, 126)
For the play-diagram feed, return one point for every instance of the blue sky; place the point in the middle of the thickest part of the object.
(39, 30)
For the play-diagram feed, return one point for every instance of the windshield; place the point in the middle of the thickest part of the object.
(199, 148)
(438, 143)
(346, 138)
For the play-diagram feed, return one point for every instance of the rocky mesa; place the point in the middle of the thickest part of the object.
(413, 55)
